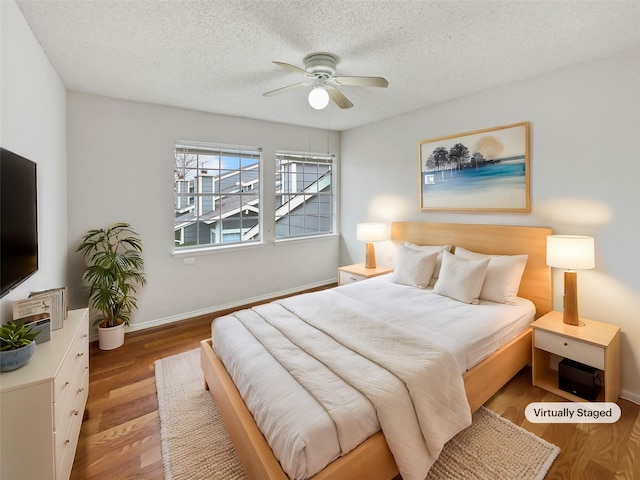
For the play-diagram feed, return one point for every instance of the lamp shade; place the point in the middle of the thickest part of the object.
(372, 232)
(571, 252)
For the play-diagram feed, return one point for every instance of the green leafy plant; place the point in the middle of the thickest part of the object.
(16, 335)
(115, 272)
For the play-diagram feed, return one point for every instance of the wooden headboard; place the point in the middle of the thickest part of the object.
(491, 240)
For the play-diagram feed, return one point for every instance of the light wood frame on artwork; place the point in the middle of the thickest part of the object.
(480, 171)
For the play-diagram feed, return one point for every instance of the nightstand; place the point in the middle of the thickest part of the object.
(592, 343)
(358, 272)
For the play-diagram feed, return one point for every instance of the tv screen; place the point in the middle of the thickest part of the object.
(19, 220)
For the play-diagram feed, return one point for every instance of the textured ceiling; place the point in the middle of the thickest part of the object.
(216, 55)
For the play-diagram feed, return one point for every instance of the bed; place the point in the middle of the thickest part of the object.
(372, 459)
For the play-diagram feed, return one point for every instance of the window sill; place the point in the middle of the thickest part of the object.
(192, 252)
(313, 238)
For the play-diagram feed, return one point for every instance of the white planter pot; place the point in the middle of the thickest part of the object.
(110, 338)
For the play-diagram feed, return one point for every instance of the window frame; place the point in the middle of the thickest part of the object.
(309, 158)
(189, 196)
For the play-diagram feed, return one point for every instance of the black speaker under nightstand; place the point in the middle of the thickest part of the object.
(578, 379)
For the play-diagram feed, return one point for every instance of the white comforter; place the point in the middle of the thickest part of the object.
(347, 358)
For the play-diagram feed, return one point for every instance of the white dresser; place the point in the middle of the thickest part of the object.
(42, 405)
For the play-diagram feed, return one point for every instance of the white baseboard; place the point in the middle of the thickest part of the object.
(632, 397)
(217, 308)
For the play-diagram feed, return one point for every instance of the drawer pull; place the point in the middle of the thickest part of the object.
(65, 384)
(80, 354)
(81, 390)
(75, 412)
(67, 441)
(566, 344)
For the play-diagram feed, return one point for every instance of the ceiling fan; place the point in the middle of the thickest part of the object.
(320, 68)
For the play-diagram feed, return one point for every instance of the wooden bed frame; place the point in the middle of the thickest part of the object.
(372, 459)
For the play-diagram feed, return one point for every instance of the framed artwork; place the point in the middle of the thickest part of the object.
(484, 170)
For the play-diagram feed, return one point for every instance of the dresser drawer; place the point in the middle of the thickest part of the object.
(66, 439)
(68, 404)
(72, 370)
(346, 278)
(570, 348)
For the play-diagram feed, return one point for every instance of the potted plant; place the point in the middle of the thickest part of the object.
(115, 272)
(17, 345)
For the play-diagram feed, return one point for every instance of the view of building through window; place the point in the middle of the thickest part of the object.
(217, 195)
(304, 195)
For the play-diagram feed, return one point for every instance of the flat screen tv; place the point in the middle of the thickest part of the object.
(19, 220)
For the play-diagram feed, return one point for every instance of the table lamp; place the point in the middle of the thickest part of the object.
(369, 233)
(571, 252)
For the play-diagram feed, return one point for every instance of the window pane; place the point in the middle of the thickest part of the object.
(304, 200)
(216, 195)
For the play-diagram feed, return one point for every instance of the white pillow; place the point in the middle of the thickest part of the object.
(461, 279)
(503, 277)
(413, 267)
(431, 249)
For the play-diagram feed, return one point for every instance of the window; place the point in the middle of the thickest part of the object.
(216, 195)
(304, 195)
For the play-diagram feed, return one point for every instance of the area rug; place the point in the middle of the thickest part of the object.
(196, 446)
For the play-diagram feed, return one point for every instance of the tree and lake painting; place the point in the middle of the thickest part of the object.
(481, 170)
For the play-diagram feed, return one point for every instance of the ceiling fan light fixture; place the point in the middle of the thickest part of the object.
(318, 97)
(320, 70)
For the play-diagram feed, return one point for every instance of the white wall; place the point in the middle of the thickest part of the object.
(585, 164)
(32, 124)
(121, 169)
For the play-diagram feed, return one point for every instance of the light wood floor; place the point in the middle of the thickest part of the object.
(120, 438)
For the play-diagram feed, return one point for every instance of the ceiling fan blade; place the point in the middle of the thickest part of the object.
(291, 67)
(362, 81)
(286, 89)
(338, 97)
